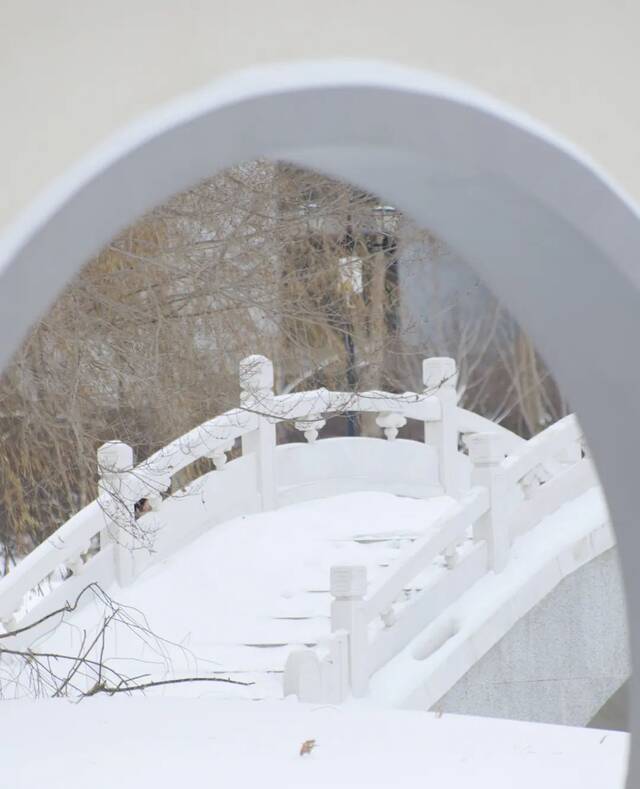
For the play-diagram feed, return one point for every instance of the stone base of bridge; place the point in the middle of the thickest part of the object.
(562, 661)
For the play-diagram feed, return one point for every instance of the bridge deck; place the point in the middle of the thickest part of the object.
(239, 599)
(243, 595)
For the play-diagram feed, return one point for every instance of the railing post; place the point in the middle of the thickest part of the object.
(256, 384)
(439, 376)
(115, 462)
(487, 451)
(348, 589)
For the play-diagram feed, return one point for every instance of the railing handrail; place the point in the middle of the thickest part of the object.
(203, 440)
(543, 447)
(199, 442)
(448, 528)
(298, 405)
(470, 422)
(60, 547)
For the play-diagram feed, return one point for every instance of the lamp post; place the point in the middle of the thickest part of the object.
(387, 219)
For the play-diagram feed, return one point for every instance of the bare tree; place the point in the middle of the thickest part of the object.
(87, 671)
(264, 258)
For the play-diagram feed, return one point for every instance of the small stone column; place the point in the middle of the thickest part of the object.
(115, 463)
(256, 384)
(487, 451)
(348, 589)
(439, 376)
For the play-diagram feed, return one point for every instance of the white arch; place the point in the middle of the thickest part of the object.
(554, 240)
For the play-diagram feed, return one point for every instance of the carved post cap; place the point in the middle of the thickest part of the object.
(256, 373)
(486, 449)
(348, 582)
(114, 457)
(439, 371)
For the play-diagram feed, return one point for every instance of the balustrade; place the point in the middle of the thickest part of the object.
(511, 479)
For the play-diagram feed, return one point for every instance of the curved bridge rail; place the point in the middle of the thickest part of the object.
(104, 541)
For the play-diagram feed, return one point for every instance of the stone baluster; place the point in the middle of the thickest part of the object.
(390, 422)
(389, 617)
(115, 463)
(451, 556)
(75, 565)
(310, 426)
(256, 383)
(487, 451)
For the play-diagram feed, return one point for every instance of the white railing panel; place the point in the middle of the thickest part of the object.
(98, 570)
(215, 497)
(450, 527)
(65, 544)
(571, 482)
(469, 422)
(546, 446)
(339, 465)
(441, 591)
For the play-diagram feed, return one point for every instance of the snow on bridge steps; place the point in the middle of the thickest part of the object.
(503, 487)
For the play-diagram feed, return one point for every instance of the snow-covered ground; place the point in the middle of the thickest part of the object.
(166, 743)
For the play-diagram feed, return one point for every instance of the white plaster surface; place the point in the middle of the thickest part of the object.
(75, 72)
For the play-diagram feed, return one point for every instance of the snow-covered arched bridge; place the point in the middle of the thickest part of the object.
(403, 572)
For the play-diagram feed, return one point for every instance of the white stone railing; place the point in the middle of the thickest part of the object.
(105, 542)
(515, 484)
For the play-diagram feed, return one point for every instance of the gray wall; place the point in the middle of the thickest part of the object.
(562, 662)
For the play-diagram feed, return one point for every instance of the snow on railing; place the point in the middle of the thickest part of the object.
(108, 539)
(62, 550)
(515, 485)
(110, 522)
